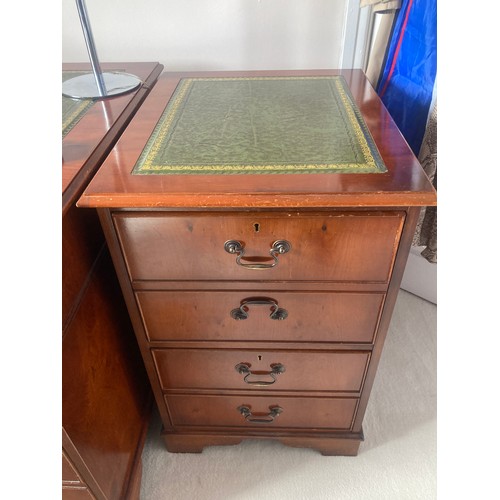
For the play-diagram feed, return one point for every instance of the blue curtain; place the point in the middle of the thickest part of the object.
(408, 77)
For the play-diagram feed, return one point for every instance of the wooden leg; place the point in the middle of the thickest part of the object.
(185, 443)
(328, 446)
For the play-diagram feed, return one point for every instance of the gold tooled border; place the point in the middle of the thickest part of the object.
(75, 117)
(360, 135)
(145, 162)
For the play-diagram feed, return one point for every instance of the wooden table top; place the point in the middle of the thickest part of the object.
(403, 184)
(90, 139)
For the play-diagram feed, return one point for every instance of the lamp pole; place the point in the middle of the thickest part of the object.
(89, 41)
(97, 85)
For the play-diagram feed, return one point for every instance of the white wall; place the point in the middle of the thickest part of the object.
(215, 34)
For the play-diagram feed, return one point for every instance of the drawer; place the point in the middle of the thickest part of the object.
(69, 474)
(261, 412)
(76, 493)
(333, 246)
(310, 316)
(220, 369)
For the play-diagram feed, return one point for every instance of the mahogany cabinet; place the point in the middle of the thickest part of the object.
(106, 399)
(260, 299)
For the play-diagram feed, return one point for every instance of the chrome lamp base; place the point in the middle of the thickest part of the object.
(85, 86)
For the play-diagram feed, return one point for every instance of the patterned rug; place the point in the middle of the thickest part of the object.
(260, 125)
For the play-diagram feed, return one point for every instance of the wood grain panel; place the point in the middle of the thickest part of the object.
(69, 474)
(222, 411)
(336, 246)
(303, 370)
(82, 240)
(105, 397)
(76, 493)
(311, 317)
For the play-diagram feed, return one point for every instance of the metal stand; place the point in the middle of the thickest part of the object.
(98, 85)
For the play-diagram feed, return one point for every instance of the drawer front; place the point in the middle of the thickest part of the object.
(259, 412)
(220, 369)
(310, 316)
(69, 474)
(76, 493)
(340, 246)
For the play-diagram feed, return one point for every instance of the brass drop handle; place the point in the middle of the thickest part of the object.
(242, 312)
(244, 368)
(237, 247)
(260, 418)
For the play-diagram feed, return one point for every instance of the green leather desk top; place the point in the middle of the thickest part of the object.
(72, 109)
(260, 125)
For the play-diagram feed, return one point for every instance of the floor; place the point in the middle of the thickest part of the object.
(396, 461)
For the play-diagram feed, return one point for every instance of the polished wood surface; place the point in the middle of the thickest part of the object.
(404, 184)
(222, 412)
(106, 399)
(69, 474)
(105, 403)
(73, 486)
(312, 316)
(87, 144)
(82, 240)
(215, 370)
(349, 238)
(86, 483)
(182, 246)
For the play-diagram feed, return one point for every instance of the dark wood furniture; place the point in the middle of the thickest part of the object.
(289, 352)
(106, 399)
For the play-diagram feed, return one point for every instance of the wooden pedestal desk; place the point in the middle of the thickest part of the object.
(106, 399)
(260, 296)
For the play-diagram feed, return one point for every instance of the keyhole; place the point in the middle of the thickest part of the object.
(259, 357)
(256, 226)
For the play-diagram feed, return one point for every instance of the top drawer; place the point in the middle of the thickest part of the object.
(333, 246)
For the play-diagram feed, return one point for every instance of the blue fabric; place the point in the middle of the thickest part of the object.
(409, 74)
